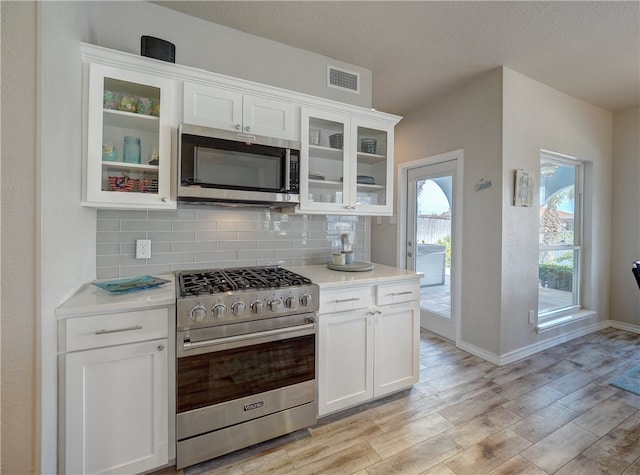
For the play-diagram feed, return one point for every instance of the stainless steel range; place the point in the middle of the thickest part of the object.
(245, 359)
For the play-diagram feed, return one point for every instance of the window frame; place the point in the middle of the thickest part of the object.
(560, 313)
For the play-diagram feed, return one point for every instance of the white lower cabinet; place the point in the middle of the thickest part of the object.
(115, 399)
(367, 347)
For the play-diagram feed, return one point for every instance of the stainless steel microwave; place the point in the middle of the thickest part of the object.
(219, 166)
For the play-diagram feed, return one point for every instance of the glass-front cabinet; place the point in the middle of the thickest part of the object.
(346, 165)
(128, 155)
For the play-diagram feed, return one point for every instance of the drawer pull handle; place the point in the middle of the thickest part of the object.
(401, 293)
(353, 299)
(104, 332)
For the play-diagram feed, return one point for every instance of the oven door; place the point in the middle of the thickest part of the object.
(227, 380)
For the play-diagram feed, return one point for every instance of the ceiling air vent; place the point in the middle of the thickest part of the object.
(343, 79)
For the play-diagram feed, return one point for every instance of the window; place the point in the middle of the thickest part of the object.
(560, 236)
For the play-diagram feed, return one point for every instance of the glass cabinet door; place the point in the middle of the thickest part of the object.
(324, 167)
(128, 140)
(373, 166)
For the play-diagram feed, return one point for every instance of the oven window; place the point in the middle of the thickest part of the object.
(221, 376)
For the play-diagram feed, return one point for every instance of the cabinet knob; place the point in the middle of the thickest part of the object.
(238, 127)
(165, 199)
(247, 129)
(160, 347)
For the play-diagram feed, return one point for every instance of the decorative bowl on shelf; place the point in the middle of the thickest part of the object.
(336, 141)
(368, 145)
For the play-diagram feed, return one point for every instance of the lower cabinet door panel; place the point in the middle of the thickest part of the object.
(345, 372)
(116, 408)
(397, 345)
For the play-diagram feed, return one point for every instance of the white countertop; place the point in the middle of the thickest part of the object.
(92, 300)
(327, 278)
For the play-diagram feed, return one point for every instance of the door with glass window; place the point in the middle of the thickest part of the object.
(430, 236)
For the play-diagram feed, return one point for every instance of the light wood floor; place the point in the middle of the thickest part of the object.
(554, 412)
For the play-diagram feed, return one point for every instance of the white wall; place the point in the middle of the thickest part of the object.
(469, 118)
(18, 415)
(539, 117)
(625, 217)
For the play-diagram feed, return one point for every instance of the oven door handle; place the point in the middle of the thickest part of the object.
(237, 341)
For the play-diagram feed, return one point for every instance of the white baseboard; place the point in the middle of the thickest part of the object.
(527, 351)
(625, 326)
(479, 352)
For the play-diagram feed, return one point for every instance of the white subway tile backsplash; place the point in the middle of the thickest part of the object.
(237, 225)
(238, 245)
(275, 244)
(195, 246)
(173, 215)
(216, 236)
(216, 256)
(109, 237)
(121, 214)
(172, 236)
(108, 225)
(107, 249)
(200, 225)
(193, 237)
(171, 258)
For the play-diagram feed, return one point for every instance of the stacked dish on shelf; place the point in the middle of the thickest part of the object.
(364, 180)
(336, 141)
(316, 176)
(368, 145)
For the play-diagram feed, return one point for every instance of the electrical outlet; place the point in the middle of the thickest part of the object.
(143, 249)
(532, 317)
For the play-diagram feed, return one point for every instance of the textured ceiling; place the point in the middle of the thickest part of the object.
(418, 50)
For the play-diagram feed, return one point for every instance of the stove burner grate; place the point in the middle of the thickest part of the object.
(212, 281)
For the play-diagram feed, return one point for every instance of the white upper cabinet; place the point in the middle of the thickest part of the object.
(133, 108)
(128, 156)
(226, 109)
(346, 164)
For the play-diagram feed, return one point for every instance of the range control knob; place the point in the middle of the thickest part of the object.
(306, 300)
(198, 313)
(238, 308)
(219, 310)
(291, 302)
(273, 304)
(256, 307)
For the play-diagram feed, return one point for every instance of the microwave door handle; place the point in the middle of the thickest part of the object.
(287, 168)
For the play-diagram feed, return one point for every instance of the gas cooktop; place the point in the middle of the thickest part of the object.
(212, 297)
(213, 281)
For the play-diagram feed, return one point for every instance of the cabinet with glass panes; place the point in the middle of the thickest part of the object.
(347, 164)
(128, 154)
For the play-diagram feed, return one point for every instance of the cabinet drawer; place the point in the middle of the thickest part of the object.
(349, 298)
(397, 292)
(115, 329)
